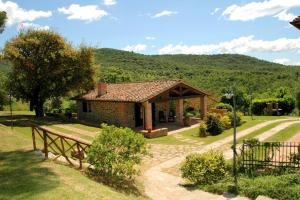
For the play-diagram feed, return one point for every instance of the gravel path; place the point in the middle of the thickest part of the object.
(160, 185)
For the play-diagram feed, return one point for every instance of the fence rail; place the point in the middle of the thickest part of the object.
(61, 145)
(263, 155)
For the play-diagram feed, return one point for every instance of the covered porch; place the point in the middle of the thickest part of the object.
(165, 112)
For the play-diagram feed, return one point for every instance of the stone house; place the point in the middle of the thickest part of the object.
(140, 104)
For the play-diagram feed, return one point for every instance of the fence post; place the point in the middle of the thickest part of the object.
(33, 138)
(79, 153)
(45, 143)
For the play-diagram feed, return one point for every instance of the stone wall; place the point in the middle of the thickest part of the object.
(117, 113)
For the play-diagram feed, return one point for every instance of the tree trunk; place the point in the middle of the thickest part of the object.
(39, 109)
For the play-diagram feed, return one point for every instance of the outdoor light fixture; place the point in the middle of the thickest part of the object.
(296, 22)
(231, 95)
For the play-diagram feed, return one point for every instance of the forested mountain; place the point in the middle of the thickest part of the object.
(212, 73)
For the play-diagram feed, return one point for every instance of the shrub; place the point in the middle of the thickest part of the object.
(226, 121)
(239, 118)
(206, 168)
(224, 106)
(116, 152)
(214, 124)
(202, 130)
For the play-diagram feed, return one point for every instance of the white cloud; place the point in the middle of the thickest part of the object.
(27, 25)
(136, 48)
(16, 15)
(215, 11)
(164, 13)
(150, 38)
(285, 16)
(87, 13)
(240, 45)
(254, 10)
(109, 2)
(281, 61)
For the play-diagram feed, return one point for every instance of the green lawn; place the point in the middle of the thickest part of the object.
(168, 140)
(85, 127)
(192, 134)
(285, 134)
(23, 175)
(69, 132)
(258, 132)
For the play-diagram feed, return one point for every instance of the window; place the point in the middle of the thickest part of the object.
(86, 106)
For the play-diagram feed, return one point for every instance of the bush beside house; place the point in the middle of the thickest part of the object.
(216, 123)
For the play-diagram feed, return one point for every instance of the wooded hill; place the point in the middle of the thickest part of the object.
(213, 73)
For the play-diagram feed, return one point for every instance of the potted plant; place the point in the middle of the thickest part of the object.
(187, 121)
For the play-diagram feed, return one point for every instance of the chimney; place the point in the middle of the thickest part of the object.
(101, 89)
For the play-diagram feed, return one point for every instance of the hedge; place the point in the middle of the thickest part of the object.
(287, 105)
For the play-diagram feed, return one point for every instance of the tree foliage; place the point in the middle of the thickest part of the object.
(298, 101)
(212, 73)
(3, 92)
(3, 18)
(45, 65)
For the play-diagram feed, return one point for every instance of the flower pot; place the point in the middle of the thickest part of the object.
(187, 121)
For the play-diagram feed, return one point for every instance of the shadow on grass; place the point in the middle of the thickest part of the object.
(21, 175)
(28, 120)
(128, 187)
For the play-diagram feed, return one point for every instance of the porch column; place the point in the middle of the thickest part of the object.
(179, 111)
(203, 106)
(147, 115)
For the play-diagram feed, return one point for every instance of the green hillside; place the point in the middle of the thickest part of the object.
(212, 73)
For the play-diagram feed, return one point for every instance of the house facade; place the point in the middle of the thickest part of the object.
(141, 104)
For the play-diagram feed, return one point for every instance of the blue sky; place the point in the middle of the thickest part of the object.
(255, 28)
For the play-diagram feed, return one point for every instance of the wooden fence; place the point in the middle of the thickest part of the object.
(73, 149)
(263, 155)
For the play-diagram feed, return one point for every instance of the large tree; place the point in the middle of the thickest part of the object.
(3, 19)
(45, 65)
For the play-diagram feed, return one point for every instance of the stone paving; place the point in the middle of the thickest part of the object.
(160, 153)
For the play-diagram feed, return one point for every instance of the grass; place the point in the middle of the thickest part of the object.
(7, 113)
(192, 134)
(167, 140)
(69, 132)
(24, 175)
(281, 187)
(259, 131)
(285, 134)
(85, 127)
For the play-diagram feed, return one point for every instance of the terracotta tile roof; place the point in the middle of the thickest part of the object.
(132, 92)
